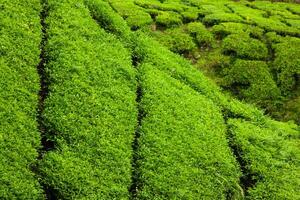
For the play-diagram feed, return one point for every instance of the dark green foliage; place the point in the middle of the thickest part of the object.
(176, 40)
(91, 107)
(20, 37)
(200, 33)
(253, 81)
(212, 62)
(287, 63)
(271, 154)
(291, 110)
(243, 46)
(183, 149)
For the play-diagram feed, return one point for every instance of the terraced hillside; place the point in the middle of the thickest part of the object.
(250, 49)
(94, 105)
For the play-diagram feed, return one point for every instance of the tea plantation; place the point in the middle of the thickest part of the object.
(149, 99)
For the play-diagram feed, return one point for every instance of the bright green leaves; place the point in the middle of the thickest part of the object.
(19, 82)
(91, 107)
(183, 148)
(243, 46)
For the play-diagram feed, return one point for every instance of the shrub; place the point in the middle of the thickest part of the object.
(135, 17)
(217, 18)
(168, 19)
(287, 63)
(253, 81)
(200, 33)
(294, 23)
(261, 19)
(91, 107)
(19, 82)
(243, 46)
(270, 157)
(148, 50)
(183, 148)
(149, 4)
(273, 9)
(108, 19)
(176, 40)
(190, 14)
(227, 28)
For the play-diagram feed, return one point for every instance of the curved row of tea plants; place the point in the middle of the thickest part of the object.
(19, 82)
(179, 79)
(183, 150)
(271, 155)
(223, 31)
(90, 110)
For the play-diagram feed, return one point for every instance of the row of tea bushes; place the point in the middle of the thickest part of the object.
(91, 107)
(19, 82)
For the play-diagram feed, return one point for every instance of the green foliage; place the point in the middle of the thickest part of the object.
(291, 110)
(243, 46)
(91, 107)
(263, 19)
(294, 23)
(183, 149)
(190, 14)
(271, 158)
(200, 33)
(153, 4)
(19, 82)
(287, 63)
(109, 20)
(135, 16)
(253, 81)
(219, 17)
(147, 50)
(169, 19)
(176, 40)
(227, 28)
(274, 9)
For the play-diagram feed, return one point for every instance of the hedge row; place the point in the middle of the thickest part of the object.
(147, 49)
(279, 9)
(261, 19)
(19, 82)
(243, 46)
(91, 107)
(224, 29)
(183, 150)
(135, 16)
(253, 80)
(165, 6)
(150, 51)
(167, 82)
(271, 156)
(287, 63)
(202, 36)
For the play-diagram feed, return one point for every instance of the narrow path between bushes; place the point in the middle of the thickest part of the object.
(44, 90)
(247, 180)
(47, 145)
(135, 177)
